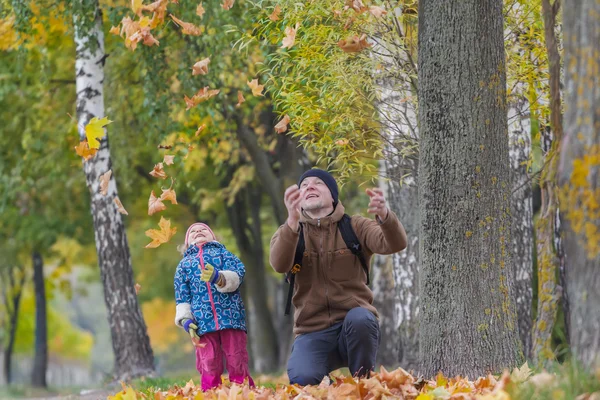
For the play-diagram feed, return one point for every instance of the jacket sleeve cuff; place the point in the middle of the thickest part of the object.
(232, 282)
(183, 311)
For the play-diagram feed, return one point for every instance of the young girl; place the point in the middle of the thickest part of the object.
(210, 307)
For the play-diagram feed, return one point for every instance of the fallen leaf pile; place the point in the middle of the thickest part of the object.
(396, 384)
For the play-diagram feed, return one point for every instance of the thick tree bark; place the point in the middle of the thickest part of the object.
(131, 344)
(12, 300)
(248, 237)
(468, 314)
(40, 362)
(579, 176)
(549, 247)
(519, 136)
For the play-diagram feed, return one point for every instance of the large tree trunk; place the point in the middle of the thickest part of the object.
(13, 289)
(468, 314)
(519, 136)
(549, 247)
(580, 176)
(131, 345)
(40, 362)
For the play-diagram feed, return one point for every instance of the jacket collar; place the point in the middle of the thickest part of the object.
(335, 216)
(193, 249)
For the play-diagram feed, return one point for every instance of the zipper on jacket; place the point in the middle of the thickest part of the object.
(210, 295)
(323, 269)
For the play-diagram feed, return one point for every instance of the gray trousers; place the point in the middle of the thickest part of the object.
(352, 343)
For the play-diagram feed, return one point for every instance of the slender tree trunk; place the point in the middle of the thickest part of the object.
(519, 136)
(40, 362)
(131, 344)
(579, 176)
(549, 259)
(12, 301)
(468, 314)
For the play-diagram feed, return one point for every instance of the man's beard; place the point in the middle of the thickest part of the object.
(313, 206)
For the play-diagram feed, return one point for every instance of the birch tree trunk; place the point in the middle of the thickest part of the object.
(40, 362)
(579, 176)
(131, 345)
(468, 314)
(519, 136)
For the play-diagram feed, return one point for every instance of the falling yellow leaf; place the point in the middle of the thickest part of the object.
(377, 11)
(342, 142)
(120, 207)
(137, 288)
(241, 98)
(227, 4)
(356, 5)
(282, 126)
(136, 6)
(200, 10)
(170, 195)
(290, 36)
(104, 180)
(275, 14)
(158, 171)
(187, 27)
(354, 44)
(155, 204)
(94, 130)
(114, 30)
(160, 236)
(201, 67)
(168, 160)
(203, 94)
(256, 88)
(83, 150)
(200, 129)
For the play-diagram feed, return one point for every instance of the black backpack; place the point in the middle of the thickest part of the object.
(352, 242)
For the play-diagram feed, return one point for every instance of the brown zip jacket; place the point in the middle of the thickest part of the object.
(332, 280)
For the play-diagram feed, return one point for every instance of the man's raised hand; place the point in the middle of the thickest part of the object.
(292, 199)
(377, 205)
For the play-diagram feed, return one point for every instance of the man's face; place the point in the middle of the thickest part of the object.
(315, 194)
(200, 234)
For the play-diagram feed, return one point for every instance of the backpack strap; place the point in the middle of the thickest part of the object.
(290, 277)
(345, 227)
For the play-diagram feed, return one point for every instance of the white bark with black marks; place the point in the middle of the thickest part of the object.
(131, 344)
(468, 321)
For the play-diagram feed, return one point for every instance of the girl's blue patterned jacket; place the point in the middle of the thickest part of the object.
(211, 307)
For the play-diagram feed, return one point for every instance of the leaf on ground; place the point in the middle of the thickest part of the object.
(282, 125)
(120, 207)
(84, 151)
(161, 236)
(168, 160)
(155, 204)
(104, 181)
(256, 88)
(94, 130)
(187, 28)
(158, 171)
(275, 14)
(520, 375)
(201, 67)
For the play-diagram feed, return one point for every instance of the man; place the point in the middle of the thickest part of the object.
(335, 322)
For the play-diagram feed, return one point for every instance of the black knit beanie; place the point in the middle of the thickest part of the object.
(326, 178)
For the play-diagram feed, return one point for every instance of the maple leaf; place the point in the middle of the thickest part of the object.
(120, 207)
(136, 6)
(200, 129)
(158, 171)
(227, 4)
(155, 204)
(201, 67)
(83, 150)
(137, 288)
(94, 130)
(282, 125)
(241, 98)
(161, 236)
(342, 142)
(203, 94)
(114, 30)
(187, 27)
(356, 5)
(200, 10)
(354, 44)
(290, 36)
(168, 160)
(104, 180)
(159, 7)
(377, 11)
(256, 88)
(275, 14)
(520, 375)
(168, 194)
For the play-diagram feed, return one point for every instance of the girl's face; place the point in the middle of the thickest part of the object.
(200, 234)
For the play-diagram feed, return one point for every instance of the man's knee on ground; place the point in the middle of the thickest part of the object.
(306, 375)
(360, 321)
